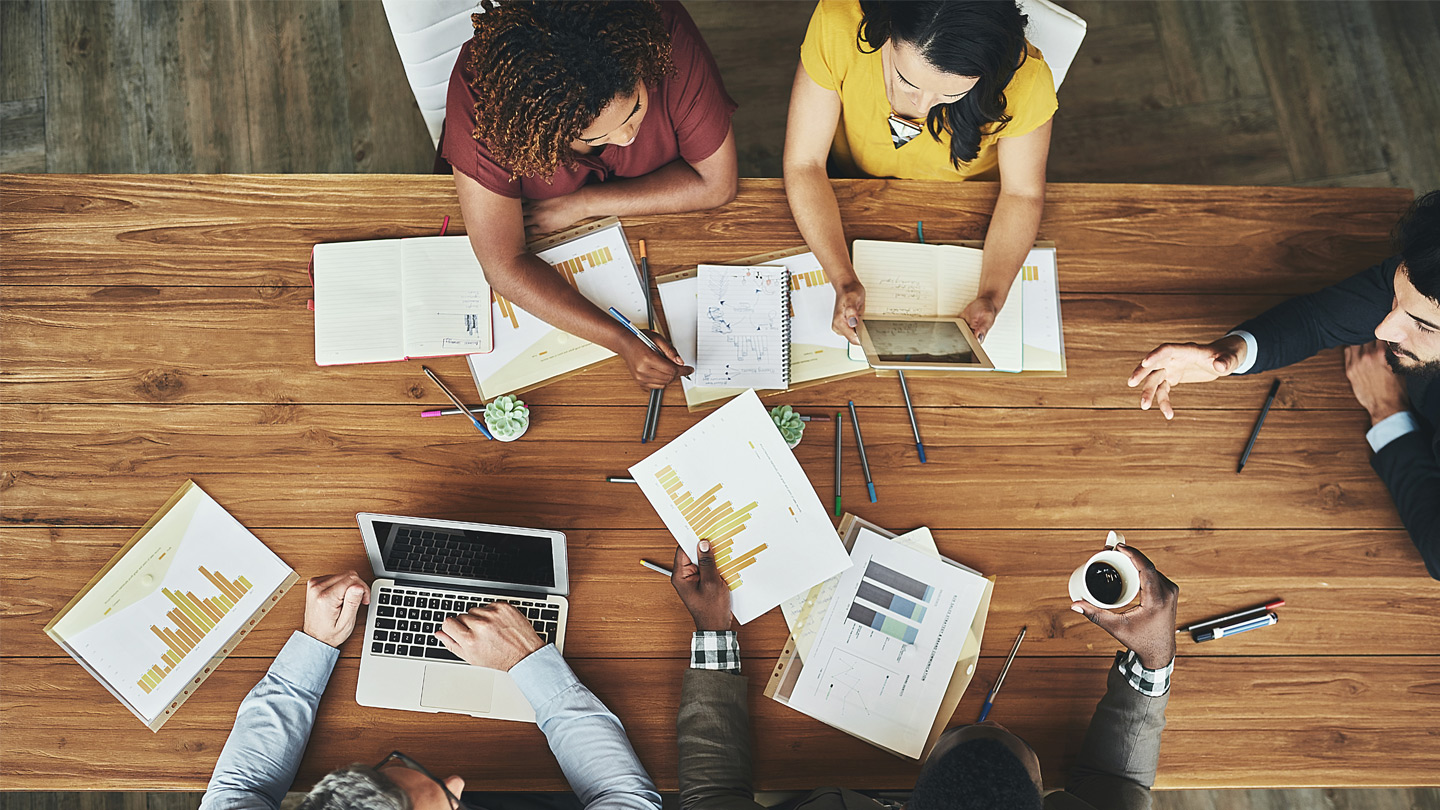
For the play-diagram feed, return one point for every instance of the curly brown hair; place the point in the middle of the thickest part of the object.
(542, 71)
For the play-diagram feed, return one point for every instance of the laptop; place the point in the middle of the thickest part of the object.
(427, 570)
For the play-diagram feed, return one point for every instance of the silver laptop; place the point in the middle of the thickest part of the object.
(427, 570)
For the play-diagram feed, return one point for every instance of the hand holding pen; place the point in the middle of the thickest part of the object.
(653, 362)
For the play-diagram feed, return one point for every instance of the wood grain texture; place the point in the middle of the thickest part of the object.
(1209, 51)
(1367, 706)
(387, 132)
(258, 231)
(22, 54)
(22, 135)
(95, 81)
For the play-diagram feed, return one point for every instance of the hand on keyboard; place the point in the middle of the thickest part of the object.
(494, 636)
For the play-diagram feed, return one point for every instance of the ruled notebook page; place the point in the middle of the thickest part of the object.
(446, 297)
(743, 327)
(357, 303)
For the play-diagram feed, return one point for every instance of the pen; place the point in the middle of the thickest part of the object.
(914, 426)
(860, 443)
(1236, 629)
(452, 411)
(1239, 614)
(659, 569)
(445, 226)
(476, 422)
(839, 426)
(615, 479)
(995, 690)
(814, 419)
(1258, 422)
(652, 411)
(636, 332)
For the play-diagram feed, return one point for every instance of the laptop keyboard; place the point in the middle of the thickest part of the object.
(419, 550)
(406, 620)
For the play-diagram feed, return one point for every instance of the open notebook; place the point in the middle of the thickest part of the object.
(743, 327)
(384, 300)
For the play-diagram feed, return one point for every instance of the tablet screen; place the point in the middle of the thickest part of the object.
(920, 342)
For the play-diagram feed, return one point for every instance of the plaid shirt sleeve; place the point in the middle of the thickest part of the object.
(715, 649)
(1148, 682)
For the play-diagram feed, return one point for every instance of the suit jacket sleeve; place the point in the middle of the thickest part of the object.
(1409, 469)
(713, 731)
(1121, 750)
(1343, 314)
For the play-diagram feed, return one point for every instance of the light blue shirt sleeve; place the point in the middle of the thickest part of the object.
(263, 752)
(1390, 428)
(587, 739)
(1250, 350)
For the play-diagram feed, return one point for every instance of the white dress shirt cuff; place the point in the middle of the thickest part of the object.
(542, 675)
(306, 662)
(1389, 429)
(1250, 350)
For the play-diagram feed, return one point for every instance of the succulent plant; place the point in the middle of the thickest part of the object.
(790, 424)
(507, 416)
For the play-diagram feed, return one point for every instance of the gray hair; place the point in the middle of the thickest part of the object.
(358, 787)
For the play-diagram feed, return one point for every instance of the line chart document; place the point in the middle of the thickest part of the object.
(884, 657)
(731, 480)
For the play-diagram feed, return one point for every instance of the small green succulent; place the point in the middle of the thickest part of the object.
(507, 416)
(790, 424)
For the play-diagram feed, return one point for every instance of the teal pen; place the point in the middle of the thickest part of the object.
(860, 445)
(476, 422)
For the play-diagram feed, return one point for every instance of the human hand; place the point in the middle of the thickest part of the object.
(331, 603)
(1171, 364)
(1376, 385)
(649, 369)
(548, 216)
(1148, 629)
(980, 316)
(493, 636)
(701, 589)
(849, 306)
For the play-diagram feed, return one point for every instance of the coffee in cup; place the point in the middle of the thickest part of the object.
(1108, 579)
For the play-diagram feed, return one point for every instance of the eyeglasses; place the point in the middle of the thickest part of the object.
(455, 802)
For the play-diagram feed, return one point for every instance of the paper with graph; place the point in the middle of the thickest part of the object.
(595, 260)
(883, 659)
(743, 327)
(731, 480)
(1043, 335)
(171, 603)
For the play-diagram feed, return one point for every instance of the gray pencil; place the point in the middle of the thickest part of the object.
(860, 444)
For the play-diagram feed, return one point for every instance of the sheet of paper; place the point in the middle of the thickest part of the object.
(1044, 341)
(816, 352)
(172, 602)
(742, 332)
(357, 302)
(447, 300)
(886, 653)
(731, 480)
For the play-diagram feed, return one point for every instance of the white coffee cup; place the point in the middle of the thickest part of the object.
(1121, 564)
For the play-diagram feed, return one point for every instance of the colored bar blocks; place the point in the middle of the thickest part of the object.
(899, 582)
(718, 522)
(892, 602)
(814, 278)
(507, 311)
(888, 625)
(573, 267)
(193, 618)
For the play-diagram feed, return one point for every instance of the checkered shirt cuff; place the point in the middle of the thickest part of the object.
(1148, 682)
(715, 649)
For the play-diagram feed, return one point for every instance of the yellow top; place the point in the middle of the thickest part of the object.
(863, 146)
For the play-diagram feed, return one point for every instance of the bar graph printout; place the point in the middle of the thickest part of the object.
(884, 657)
(731, 480)
(152, 622)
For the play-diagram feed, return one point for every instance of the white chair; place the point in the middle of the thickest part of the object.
(1056, 32)
(428, 34)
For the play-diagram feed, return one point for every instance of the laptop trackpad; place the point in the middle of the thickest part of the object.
(457, 689)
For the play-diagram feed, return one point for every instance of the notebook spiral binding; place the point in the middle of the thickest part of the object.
(785, 323)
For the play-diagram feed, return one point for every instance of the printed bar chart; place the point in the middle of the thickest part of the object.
(892, 602)
(897, 581)
(507, 311)
(812, 278)
(573, 267)
(192, 618)
(720, 523)
(889, 625)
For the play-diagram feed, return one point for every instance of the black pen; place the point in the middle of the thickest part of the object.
(1274, 387)
(839, 426)
(860, 444)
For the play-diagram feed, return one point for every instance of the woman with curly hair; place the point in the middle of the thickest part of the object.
(559, 112)
(933, 90)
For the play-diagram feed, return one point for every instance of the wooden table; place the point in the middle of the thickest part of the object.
(155, 328)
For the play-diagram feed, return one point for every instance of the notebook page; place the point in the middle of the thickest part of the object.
(900, 278)
(742, 331)
(357, 303)
(960, 283)
(446, 297)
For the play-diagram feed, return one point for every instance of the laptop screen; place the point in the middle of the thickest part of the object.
(407, 548)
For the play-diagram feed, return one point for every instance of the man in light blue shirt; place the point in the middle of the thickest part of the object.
(263, 752)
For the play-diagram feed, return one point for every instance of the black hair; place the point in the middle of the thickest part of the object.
(981, 38)
(975, 775)
(1417, 240)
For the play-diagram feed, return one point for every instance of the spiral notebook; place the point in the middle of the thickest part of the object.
(743, 327)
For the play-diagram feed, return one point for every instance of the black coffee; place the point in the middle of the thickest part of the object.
(1104, 583)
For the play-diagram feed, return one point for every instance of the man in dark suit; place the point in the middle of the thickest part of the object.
(1388, 318)
(971, 766)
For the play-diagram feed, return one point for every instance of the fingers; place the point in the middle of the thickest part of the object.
(667, 348)
(1100, 617)
(1162, 398)
(1147, 362)
(1149, 387)
(708, 571)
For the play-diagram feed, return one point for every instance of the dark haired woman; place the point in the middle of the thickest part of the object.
(928, 90)
(559, 112)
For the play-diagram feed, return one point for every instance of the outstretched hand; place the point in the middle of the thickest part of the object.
(1148, 629)
(702, 590)
(1171, 364)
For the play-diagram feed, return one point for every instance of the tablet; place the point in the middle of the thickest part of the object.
(904, 342)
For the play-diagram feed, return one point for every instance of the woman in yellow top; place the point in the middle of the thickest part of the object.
(932, 90)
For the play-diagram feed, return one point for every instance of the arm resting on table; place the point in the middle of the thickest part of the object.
(263, 752)
(1121, 750)
(713, 731)
(587, 739)
(1407, 464)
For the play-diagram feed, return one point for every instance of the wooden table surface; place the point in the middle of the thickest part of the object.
(155, 328)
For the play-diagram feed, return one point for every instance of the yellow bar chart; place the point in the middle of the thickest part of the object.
(715, 520)
(191, 620)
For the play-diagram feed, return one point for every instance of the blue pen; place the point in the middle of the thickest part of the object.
(636, 332)
(1235, 629)
(476, 422)
(995, 690)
